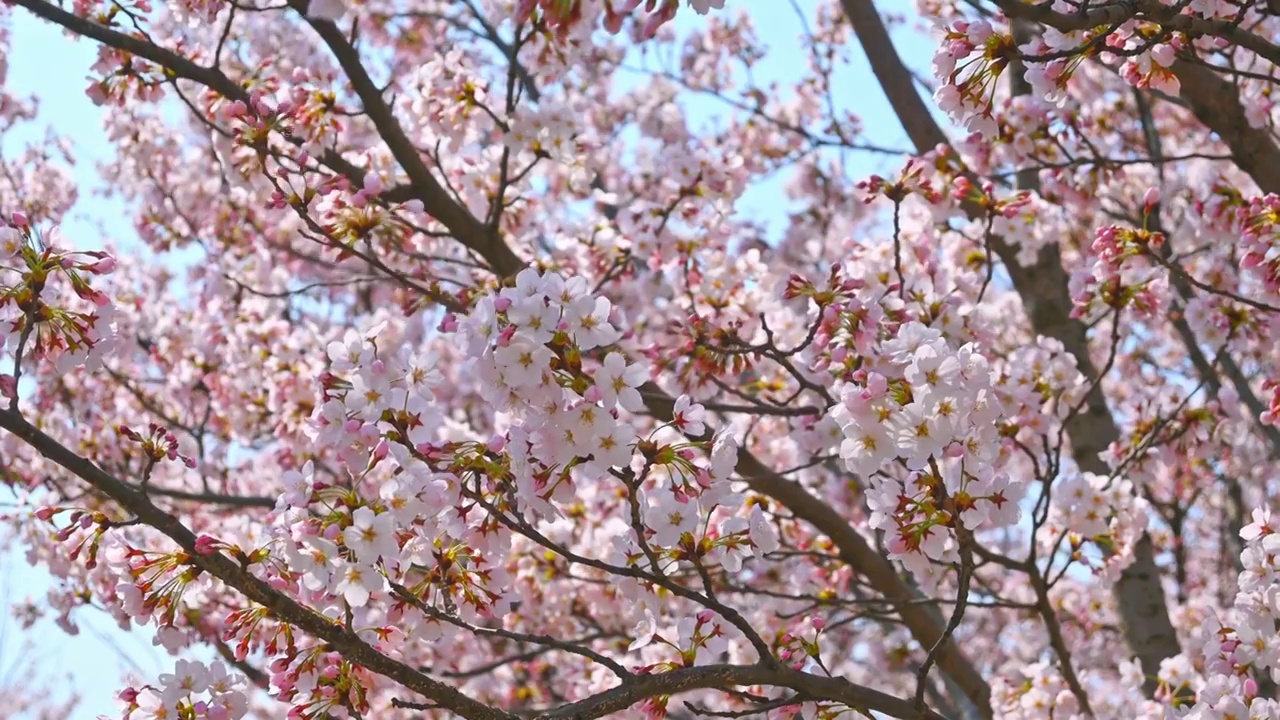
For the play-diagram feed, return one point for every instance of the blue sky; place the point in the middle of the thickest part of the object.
(45, 63)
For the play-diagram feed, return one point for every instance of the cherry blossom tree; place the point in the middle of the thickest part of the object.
(486, 398)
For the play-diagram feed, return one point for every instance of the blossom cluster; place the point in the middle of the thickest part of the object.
(1105, 510)
(970, 61)
(531, 343)
(47, 305)
(193, 691)
(1118, 278)
(973, 55)
(939, 419)
(1238, 649)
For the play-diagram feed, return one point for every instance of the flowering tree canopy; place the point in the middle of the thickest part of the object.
(485, 399)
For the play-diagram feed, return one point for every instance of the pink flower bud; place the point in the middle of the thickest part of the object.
(593, 394)
(104, 266)
(501, 303)
(504, 337)
(206, 545)
(46, 513)
(818, 623)
(20, 219)
(1150, 199)
(497, 443)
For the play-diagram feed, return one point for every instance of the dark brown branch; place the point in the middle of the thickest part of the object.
(464, 226)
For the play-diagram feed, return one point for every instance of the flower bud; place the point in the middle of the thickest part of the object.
(206, 545)
(104, 266)
(1150, 200)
